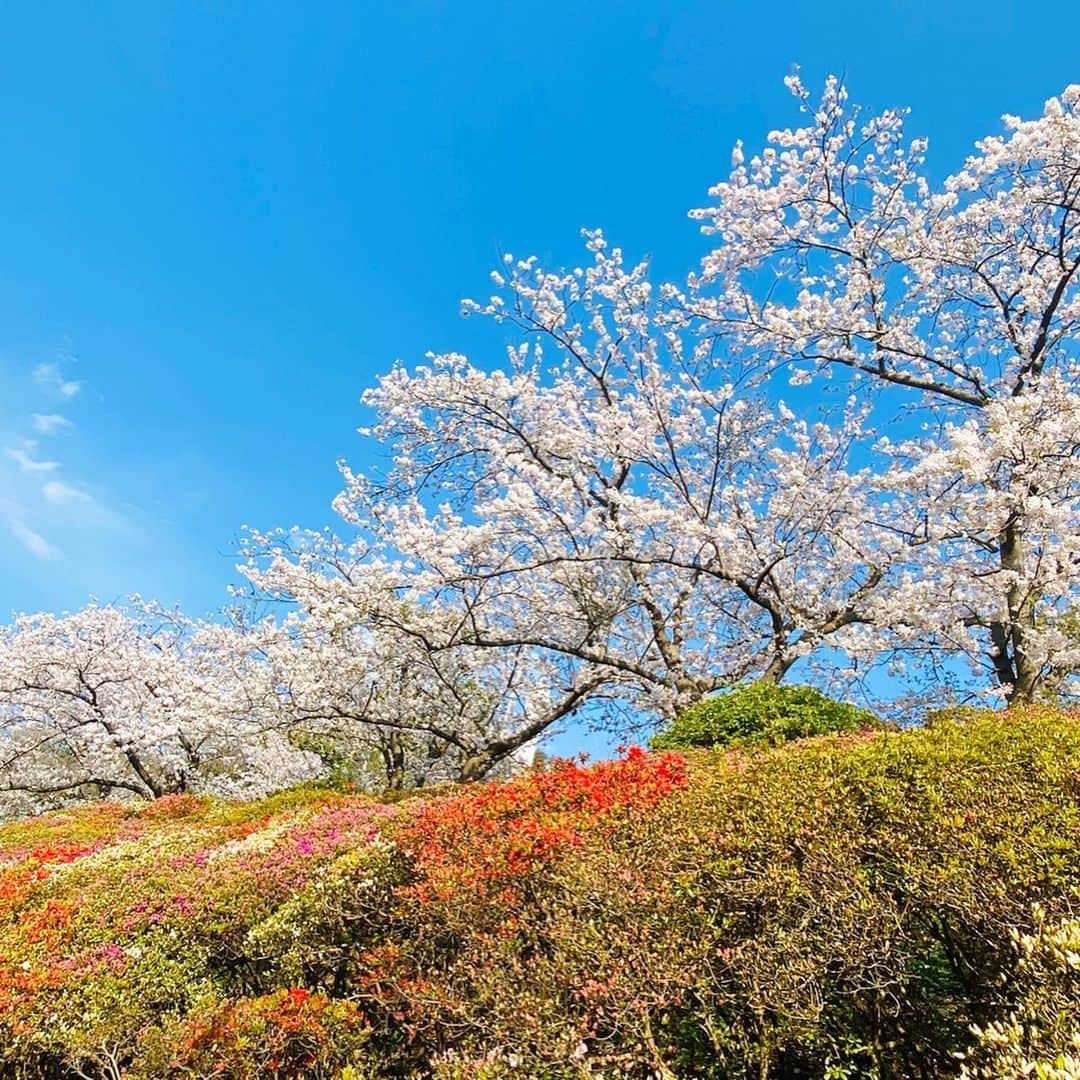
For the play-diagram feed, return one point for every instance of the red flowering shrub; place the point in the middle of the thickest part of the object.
(289, 1034)
(486, 839)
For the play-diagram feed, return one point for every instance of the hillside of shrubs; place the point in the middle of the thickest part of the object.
(872, 903)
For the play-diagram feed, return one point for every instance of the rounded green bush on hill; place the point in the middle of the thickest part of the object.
(761, 713)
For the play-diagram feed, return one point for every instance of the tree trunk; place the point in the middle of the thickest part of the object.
(1016, 670)
(393, 752)
(778, 667)
(475, 767)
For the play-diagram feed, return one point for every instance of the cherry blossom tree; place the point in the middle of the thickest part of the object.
(850, 438)
(619, 509)
(836, 257)
(134, 701)
(371, 662)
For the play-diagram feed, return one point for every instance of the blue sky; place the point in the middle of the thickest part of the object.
(221, 221)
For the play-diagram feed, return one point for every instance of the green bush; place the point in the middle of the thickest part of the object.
(959, 714)
(761, 713)
(841, 908)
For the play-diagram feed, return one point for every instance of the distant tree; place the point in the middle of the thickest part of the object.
(135, 701)
(367, 666)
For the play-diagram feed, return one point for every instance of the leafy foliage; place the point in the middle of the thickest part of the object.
(846, 906)
(1039, 1036)
(763, 713)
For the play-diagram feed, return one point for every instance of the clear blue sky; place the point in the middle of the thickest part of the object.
(220, 221)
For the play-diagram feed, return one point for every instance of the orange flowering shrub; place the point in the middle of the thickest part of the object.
(486, 839)
(288, 1033)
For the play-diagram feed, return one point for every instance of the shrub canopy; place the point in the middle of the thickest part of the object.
(840, 907)
(762, 713)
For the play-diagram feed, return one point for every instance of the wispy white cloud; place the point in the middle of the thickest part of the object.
(50, 423)
(34, 542)
(61, 494)
(60, 510)
(25, 462)
(50, 375)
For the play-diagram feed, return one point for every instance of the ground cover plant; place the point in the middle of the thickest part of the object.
(851, 905)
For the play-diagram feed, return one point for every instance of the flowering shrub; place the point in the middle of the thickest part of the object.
(287, 1033)
(489, 839)
(1039, 1035)
(845, 906)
